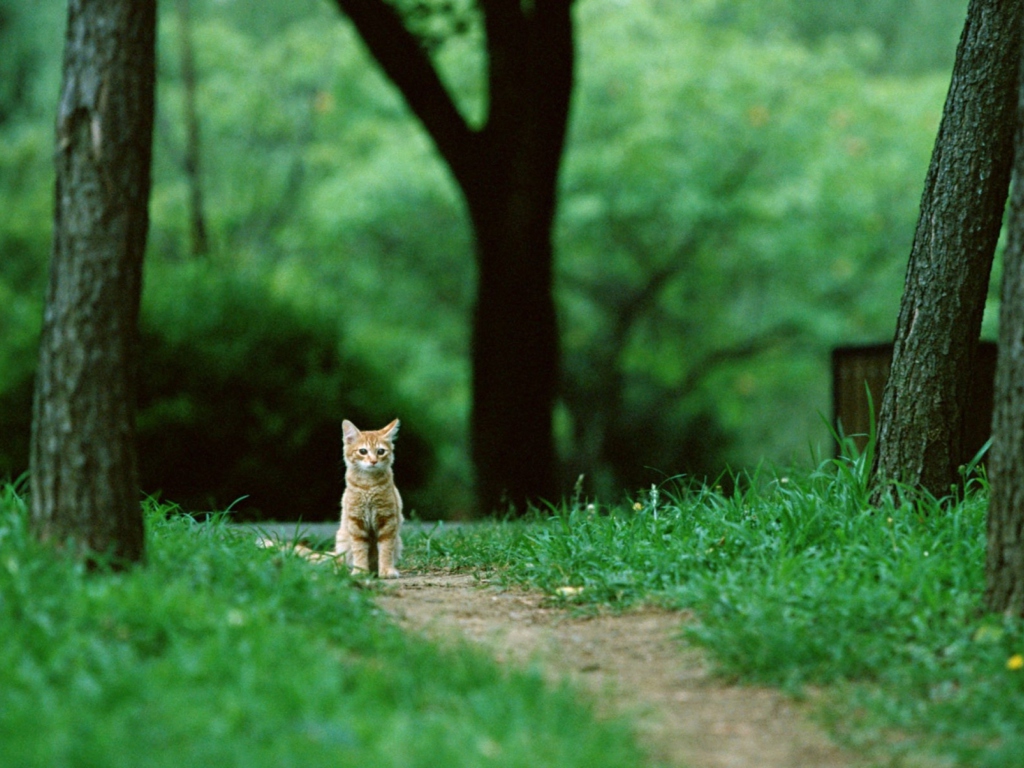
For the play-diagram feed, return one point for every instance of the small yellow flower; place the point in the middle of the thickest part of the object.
(1015, 662)
(637, 506)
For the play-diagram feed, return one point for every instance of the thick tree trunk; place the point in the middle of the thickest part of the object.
(508, 173)
(1004, 567)
(511, 193)
(84, 487)
(920, 428)
(515, 356)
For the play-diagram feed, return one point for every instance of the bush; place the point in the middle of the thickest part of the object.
(241, 394)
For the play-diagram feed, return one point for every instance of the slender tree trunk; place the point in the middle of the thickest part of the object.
(84, 486)
(1004, 567)
(921, 428)
(199, 244)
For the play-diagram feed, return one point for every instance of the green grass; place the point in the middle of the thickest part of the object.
(218, 653)
(799, 581)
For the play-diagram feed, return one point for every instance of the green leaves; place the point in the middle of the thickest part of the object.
(733, 205)
(738, 195)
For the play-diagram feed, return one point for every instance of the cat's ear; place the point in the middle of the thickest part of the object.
(391, 430)
(348, 429)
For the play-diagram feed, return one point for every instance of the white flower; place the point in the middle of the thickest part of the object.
(568, 591)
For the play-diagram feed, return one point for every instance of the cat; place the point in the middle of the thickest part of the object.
(371, 508)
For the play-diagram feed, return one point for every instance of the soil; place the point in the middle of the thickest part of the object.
(634, 664)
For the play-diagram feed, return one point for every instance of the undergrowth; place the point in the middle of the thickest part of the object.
(796, 581)
(215, 652)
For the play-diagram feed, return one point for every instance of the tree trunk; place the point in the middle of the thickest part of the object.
(920, 427)
(84, 486)
(515, 355)
(1004, 566)
(199, 243)
(508, 174)
(511, 193)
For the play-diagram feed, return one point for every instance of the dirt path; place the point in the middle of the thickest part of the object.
(634, 664)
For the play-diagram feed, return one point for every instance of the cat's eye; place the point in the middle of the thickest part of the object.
(381, 451)
(363, 451)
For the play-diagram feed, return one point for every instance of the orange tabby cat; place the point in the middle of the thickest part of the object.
(371, 507)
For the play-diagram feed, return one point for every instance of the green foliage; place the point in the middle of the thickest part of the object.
(733, 206)
(739, 195)
(218, 653)
(903, 36)
(346, 209)
(798, 580)
(242, 393)
(241, 396)
(766, 186)
(28, 70)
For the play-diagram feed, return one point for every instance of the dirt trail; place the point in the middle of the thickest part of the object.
(634, 664)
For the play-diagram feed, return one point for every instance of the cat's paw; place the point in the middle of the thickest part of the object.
(389, 573)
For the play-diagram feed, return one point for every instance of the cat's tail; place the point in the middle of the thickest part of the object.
(313, 555)
(301, 550)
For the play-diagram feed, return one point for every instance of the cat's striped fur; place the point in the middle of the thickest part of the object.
(371, 508)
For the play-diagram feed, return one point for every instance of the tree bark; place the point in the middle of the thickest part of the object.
(84, 487)
(920, 427)
(1004, 566)
(516, 350)
(507, 171)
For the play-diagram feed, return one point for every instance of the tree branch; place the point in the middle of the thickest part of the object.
(742, 350)
(408, 66)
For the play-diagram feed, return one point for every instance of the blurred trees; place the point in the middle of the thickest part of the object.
(198, 242)
(921, 421)
(894, 36)
(733, 206)
(239, 397)
(84, 475)
(736, 198)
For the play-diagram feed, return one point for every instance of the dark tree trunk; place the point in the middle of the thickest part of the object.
(508, 173)
(199, 243)
(920, 427)
(511, 193)
(1004, 567)
(515, 361)
(84, 486)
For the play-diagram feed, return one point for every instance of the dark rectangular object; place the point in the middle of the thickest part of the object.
(855, 366)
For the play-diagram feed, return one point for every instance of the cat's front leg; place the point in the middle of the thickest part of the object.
(341, 541)
(358, 550)
(387, 554)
